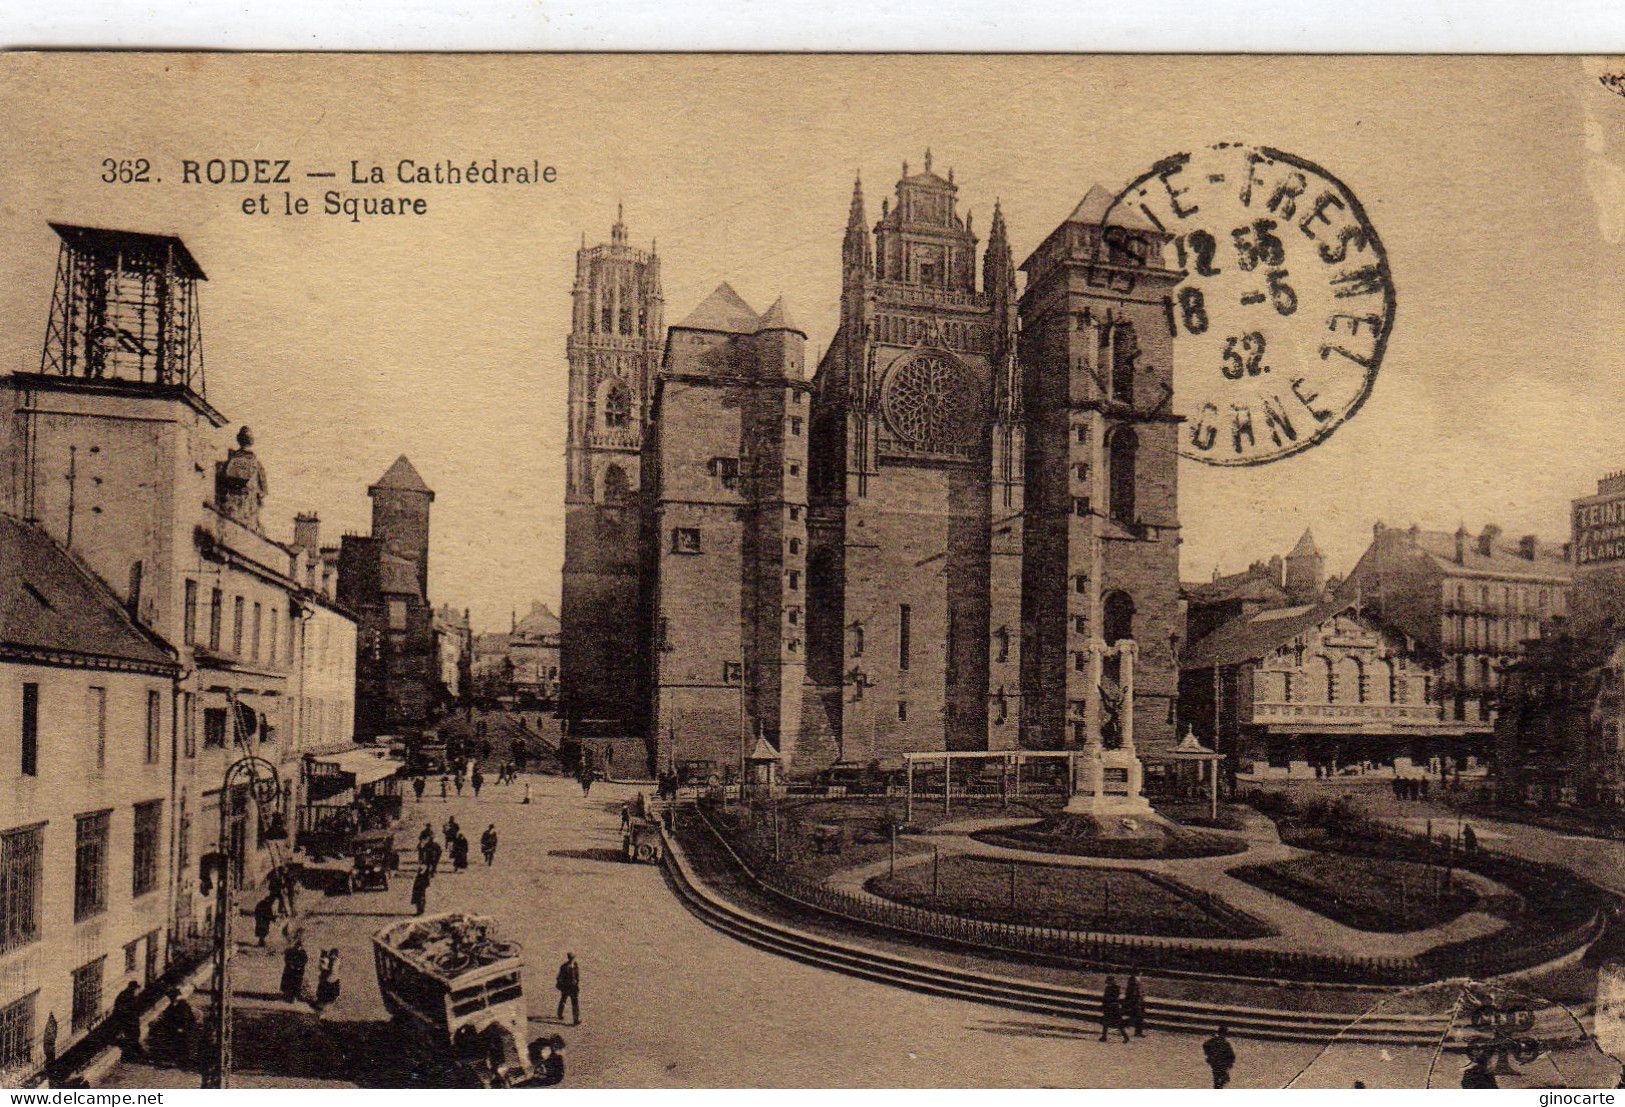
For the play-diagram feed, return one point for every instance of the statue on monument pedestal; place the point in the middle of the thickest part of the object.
(1108, 780)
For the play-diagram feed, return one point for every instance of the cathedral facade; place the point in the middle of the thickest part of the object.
(923, 546)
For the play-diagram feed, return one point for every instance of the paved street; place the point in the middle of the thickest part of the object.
(666, 1000)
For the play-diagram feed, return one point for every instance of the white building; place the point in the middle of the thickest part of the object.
(87, 748)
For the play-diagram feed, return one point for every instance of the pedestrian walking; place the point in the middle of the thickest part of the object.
(1469, 840)
(430, 858)
(443, 787)
(327, 979)
(294, 960)
(459, 852)
(585, 779)
(264, 913)
(478, 781)
(569, 986)
(1111, 1010)
(273, 888)
(290, 887)
(449, 830)
(1220, 1056)
(417, 787)
(127, 1021)
(458, 780)
(626, 814)
(527, 793)
(1134, 1004)
(488, 844)
(420, 890)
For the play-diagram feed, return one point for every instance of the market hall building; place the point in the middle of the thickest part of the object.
(920, 547)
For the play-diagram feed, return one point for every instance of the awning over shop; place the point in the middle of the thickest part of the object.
(367, 765)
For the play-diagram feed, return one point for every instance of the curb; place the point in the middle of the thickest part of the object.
(1055, 1000)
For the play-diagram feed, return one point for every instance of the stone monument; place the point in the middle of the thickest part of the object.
(1107, 782)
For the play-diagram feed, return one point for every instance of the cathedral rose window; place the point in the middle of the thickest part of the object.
(932, 401)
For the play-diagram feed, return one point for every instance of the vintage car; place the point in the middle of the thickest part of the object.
(641, 841)
(459, 988)
(372, 856)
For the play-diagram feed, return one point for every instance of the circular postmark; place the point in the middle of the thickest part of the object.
(1286, 304)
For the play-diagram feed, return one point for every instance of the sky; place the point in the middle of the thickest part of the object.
(1497, 186)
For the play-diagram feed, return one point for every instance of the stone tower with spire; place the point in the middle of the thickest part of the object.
(1305, 570)
(916, 494)
(616, 335)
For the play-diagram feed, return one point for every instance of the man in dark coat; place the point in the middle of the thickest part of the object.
(1111, 1010)
(569, 986)
(1134, 1004)
(294, 960)
(1220, 1056)
(127, 1020)
(488, 844)
(420, 890)
(264, 912)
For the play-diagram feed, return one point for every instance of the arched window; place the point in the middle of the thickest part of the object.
(617, 406)
(617, 489)
(1117, 617)
(1125, 448)
(1125, 352)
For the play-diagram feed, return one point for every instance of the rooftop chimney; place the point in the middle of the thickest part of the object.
(1529, 546)
(1461, 544)
(1487, 539)
(307, 531)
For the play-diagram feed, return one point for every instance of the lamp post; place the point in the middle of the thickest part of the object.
(261, 778)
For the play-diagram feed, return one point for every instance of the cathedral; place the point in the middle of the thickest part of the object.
(929, 543)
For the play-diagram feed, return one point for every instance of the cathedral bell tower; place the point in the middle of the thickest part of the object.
(616, 335)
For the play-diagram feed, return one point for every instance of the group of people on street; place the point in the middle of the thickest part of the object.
(1124, 1007)
(430, 852)
(1121, 1008)
(1410, 787)
(295, 961)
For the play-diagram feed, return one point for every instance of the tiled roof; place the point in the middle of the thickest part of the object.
(1097, 202)
(1248, 637)
(541, 620)
(1306, 546)
(1237, 586)
(402, 476)
(777, 318)
(724, 310)
(1504, 559)
(51, 603)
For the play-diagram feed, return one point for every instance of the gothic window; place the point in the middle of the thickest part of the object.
(626, 318)
(1125, 352)
(617, 488)
(1125, 447)
(617, 406)
(857, 639)
(1117, 617)
(1002, 637)
(606, 319)
(931, 401)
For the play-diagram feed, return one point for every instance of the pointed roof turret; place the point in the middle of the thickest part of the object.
(1099, 201)
(402, 477)
(724, 310)
(1306, 546)
(778, 318)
